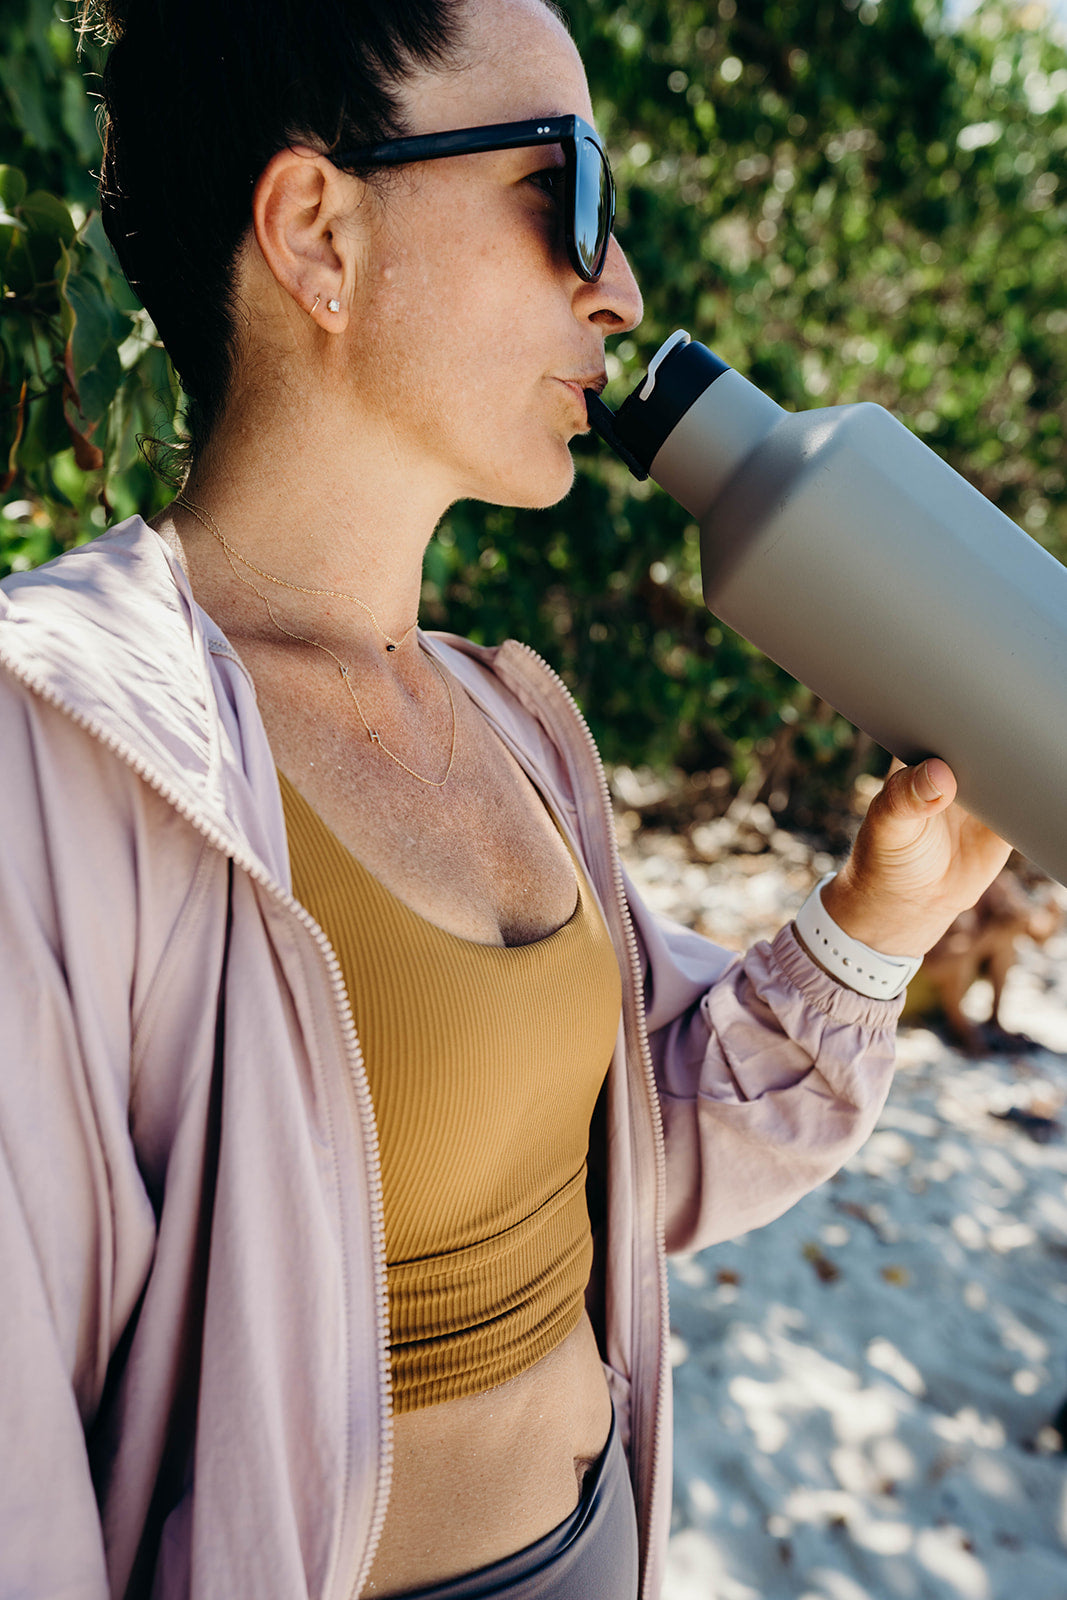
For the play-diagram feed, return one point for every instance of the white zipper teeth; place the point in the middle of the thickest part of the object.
(642, 1036)
(361, 1087)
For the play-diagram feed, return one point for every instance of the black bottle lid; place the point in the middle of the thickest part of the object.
(677, 376)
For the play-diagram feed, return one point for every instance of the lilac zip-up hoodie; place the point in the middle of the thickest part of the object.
(194, 1335)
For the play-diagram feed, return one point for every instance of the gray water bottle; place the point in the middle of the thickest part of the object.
(852, 555)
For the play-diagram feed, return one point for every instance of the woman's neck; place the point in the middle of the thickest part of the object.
(325, 516)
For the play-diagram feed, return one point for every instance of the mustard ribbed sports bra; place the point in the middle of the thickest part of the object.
(484, 1062)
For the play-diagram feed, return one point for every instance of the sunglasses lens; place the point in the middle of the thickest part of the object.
(593, 208)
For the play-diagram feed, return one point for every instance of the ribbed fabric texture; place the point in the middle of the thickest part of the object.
(484, 1063)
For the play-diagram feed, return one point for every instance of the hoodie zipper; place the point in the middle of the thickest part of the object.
(357, 1073)
(638, 1391)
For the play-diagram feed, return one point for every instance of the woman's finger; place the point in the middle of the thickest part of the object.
(910, 796)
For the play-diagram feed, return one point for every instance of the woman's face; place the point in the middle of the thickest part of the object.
(471, 333)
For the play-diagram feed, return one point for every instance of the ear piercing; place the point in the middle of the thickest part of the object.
(315, 307)
(333, 305)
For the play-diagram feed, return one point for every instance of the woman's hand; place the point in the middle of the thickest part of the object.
(918, 861)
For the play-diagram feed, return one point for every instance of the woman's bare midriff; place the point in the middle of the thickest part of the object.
(477, 1478)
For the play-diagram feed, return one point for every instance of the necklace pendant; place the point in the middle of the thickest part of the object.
(344, 673)
(390, 648)
(375, 737)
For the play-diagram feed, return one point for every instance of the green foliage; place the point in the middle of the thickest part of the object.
(846, 199)
(81, 371)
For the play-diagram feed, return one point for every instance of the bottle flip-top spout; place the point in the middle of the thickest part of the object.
(689, 423)
(677, 375)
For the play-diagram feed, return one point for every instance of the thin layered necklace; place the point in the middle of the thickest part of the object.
(234, 556)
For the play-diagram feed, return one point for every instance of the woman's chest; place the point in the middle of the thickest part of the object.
(478, 855)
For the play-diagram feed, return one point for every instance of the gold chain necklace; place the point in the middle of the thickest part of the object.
(372, 733)
(207, 521)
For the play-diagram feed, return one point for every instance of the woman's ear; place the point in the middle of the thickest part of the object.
(302, 218)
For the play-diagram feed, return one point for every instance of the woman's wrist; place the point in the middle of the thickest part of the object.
(885, 923)
(873, 972)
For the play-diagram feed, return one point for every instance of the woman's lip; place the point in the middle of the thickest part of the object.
(577, 387)
(597, 381)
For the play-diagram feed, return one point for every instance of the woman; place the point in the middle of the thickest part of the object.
(268, 1153)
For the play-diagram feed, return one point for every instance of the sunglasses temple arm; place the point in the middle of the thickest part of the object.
(602, 422)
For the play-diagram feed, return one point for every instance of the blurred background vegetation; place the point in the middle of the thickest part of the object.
(846, 199)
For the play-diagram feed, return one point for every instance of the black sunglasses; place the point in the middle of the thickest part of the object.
(589, 189)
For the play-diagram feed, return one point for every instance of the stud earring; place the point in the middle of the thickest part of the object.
(333, 305)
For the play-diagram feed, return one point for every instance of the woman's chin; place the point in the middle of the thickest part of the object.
(542, 484)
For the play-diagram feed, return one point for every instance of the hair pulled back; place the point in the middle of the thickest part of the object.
(198, 96)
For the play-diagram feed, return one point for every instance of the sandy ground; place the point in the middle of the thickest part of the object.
(863, 1390)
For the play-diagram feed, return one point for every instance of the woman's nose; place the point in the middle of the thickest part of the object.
(614, 300)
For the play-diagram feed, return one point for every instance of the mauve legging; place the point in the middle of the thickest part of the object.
(590, 1556)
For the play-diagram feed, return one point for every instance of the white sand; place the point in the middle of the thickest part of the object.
(862, 1390)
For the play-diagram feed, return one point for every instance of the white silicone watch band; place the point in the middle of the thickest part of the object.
(867, 971)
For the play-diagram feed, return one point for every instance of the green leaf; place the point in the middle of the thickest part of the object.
(98, 385)
(26, 91)
(93, 236)
(9, 226)
(13, 187)
(49, 230)
(46, 215)
(46, 432)
(19, 271)
(76, 115)
(90, 332)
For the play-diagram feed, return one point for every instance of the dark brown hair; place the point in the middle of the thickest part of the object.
(198, 96)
